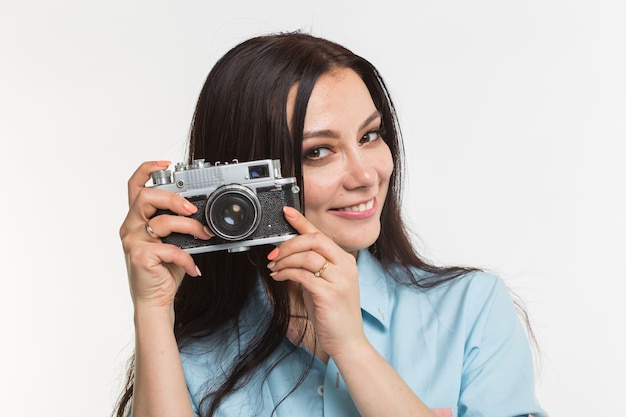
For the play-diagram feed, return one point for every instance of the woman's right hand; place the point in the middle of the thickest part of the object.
(156, 269)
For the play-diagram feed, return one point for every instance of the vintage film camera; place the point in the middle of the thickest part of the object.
(240, 202)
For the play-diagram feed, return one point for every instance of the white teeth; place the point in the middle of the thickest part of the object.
(361, 207)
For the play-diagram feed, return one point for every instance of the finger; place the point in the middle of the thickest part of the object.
(163, 225)
(316, 242)
(309, 261)
(149, 200)
(301, 276)
(171, 254)
(156, 258)
(310, 238)
(146, 204)
(298, 221)
(139, 178)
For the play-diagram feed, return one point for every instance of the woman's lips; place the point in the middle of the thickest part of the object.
(359, 208)
(358, 211)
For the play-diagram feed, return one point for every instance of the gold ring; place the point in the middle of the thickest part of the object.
(322, 269)
(151, 232)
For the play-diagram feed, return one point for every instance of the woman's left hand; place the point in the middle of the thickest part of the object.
(332, 300)
(328, 276)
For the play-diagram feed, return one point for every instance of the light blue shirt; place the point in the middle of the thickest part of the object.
(459, 346)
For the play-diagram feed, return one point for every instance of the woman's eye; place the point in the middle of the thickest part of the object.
(316, 153)
(371, 136)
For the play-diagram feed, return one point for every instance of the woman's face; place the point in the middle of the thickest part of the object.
(346, 164)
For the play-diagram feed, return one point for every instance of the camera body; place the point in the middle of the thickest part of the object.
(240, 202)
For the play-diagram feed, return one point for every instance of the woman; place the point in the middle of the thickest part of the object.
(344, 319)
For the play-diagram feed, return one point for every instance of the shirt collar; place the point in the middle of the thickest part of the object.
(376, 293)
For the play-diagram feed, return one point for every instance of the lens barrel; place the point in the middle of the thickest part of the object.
(233, 212)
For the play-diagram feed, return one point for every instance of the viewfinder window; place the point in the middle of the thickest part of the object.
(259, 171)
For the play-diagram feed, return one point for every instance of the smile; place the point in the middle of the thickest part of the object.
(359, 208)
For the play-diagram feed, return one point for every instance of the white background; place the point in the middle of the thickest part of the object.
(514, 117)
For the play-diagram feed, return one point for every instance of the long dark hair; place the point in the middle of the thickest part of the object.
(241, 114)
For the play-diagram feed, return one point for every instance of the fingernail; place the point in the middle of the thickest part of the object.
(190, 207)
(290, 212)
(273, 254)
(198, 271)
(163, 163)
(207, 231)
(271, 265)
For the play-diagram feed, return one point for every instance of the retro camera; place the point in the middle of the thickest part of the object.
(240, 202)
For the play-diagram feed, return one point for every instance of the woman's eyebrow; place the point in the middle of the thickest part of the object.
(327, 133)
(370, 119)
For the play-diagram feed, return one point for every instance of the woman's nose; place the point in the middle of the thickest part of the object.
(360, 171)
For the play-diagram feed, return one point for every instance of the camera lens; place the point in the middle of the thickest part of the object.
(233, 212)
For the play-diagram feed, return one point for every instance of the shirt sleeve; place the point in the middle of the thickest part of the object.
(498, 372)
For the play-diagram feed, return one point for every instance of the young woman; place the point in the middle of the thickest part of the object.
(344, 319)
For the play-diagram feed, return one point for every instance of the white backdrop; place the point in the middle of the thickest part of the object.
(514, 116)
